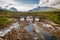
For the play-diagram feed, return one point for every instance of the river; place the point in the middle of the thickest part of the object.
(45, 34)
(29, 29)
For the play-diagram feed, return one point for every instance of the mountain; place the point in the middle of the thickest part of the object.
(44, 9)
(13, 9)
(0, 7)
(8, 8)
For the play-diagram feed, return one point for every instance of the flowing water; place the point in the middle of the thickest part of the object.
(45, 34)
(29, 29)
(7, 30)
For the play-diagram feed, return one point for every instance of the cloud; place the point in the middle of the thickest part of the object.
(18, 5)
(50, 3)
(28, 1)
(26, 8)
(6, 2)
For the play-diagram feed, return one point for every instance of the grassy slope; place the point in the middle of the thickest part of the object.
(4, 15)
(55, 17)
(47, 10)
(3, 21)
(4, 18)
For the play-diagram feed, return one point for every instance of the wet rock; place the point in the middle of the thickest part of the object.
(17, 35)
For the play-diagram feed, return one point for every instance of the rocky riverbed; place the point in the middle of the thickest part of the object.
(28, 30)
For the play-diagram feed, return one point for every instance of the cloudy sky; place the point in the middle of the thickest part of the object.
(50, 3)
(25, 5)
(21, 5)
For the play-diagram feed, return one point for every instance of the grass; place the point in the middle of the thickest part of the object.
(4, 15)
(3, 21)
(53, 17)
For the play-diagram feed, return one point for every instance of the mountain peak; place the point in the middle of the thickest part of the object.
(13, 9)
(43, 9)
(0, 7)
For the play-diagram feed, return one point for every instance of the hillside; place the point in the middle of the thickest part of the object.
(45, 9)
(6, 15)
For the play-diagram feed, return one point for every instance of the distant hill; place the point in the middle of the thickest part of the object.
(44, 9)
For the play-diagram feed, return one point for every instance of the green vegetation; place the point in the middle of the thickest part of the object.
(53, 17)
(3, 21)
(5, 15)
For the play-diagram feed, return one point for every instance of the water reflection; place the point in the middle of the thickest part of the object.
(45, 34)
(29, 28)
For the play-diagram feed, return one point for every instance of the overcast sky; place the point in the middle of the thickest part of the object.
(25, 5)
